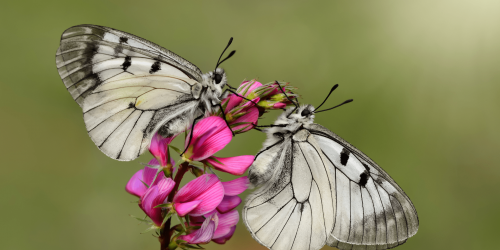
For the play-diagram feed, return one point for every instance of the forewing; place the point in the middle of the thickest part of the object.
(126, 86)
(295, 208)
(373, 212)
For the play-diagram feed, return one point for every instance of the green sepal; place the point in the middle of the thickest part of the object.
(241, 130)
(193, 247)
(169, 205)
(141, 220)
(215, 159)
(153, 227)
(168, 216)
(209, 166)
(175, 149)
(144, 183)
(181, 222)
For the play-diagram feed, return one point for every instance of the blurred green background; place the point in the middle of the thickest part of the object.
(424, 76)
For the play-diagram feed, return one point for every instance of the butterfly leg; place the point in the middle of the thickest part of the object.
(241, 96)
(192, 129)
(271, 126)
(224, 116)
(296, 104)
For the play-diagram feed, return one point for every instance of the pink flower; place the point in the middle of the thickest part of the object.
(210, 135)
(200, 196)
(271, 96)
(155, 196)
(223, 230)
(236, 186)
(247, 87)
(223, 239)
(236, 165)
(228, 203)
(205, 233)
(231, 191)
(137, 184)
(241, 114)
(159, 149)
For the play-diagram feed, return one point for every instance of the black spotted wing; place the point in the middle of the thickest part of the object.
(127, 87)
(372, 211)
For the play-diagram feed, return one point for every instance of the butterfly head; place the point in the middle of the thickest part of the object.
(217, 80)
(294, 116)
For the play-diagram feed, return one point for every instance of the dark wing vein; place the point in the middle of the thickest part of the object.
(273, 216)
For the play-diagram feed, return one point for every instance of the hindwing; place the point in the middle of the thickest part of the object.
(318, 190)
(127, 87)
(295, 208)
(373, 212)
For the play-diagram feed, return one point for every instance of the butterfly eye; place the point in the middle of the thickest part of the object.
(305, 112)
(218, 78)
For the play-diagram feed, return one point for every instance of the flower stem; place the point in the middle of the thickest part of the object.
(166, 232)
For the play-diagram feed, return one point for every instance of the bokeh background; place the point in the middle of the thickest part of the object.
(425, 77)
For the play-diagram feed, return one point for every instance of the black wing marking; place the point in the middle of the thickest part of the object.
(295, 207)
(386, 217)
(127, 87)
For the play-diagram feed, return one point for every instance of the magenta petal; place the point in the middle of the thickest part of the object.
(210, 199)
(279, 105)
(165, 186)
(194, 188)
(252, 87)
(232, 102)
(149, 175)
(206, 231)
(250, 117)
(148, 204)
(236, 165)
(223, 239)
(228, 203)
(159, 148)
(206, 188)
(229, 219)
(154, 162)
(184, 208)
(236, 186)
(197, 220)
(252, 103)
(210, 135)
(155, 196)
(188, 237)
(135, 186)
(226, 221)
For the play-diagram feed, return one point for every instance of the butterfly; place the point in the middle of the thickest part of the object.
(317, 189)
(130, 88)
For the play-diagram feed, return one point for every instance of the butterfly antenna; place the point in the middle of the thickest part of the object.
(333, 88)
(296, 106)
(231, 54)
(346, 102)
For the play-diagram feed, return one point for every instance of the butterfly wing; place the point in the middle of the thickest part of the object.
(373, 212)
(128, 87)
(295, 208)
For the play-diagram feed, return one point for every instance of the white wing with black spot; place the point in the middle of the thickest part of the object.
(127, 87)
(373, 212)
(295, 208)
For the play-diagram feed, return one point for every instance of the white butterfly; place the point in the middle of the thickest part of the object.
(318, 189)
(129, 88)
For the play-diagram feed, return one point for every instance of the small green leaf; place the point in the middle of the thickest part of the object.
(182, 222)
(167, 217)
(150, 229)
